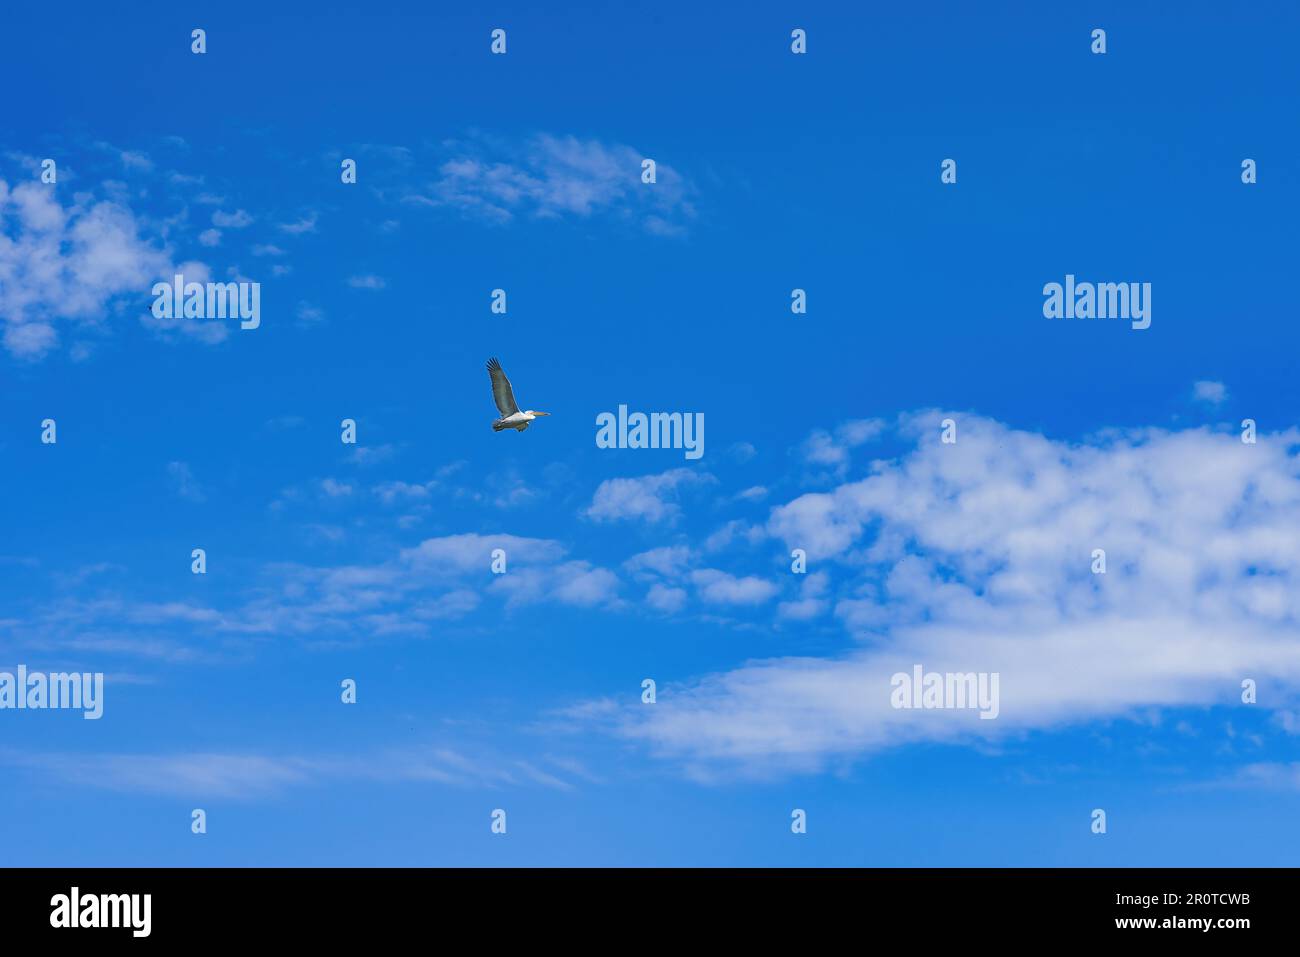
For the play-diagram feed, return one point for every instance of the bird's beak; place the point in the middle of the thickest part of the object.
(541, 413)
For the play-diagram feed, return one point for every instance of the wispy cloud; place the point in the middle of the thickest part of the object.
(548, 177)
(244, 776)
(306, 224)
(832, 450)
(236, 220)
(184, 483)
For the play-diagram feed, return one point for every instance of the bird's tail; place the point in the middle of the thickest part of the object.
(499, 426)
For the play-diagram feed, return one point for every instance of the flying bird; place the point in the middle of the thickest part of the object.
(504, 396)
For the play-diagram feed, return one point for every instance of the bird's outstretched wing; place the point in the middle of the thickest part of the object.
(502, 394)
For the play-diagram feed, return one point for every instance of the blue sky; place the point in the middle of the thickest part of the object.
(523, 691)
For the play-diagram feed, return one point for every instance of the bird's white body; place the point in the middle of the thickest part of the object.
(517, 421)
(504, 396)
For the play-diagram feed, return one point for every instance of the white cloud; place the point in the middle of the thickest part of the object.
(1288, 721)
(670, 561)
(1272, 776)
(132, 160)
(665, 598)
(186, 486)
(471, 551)
(236, 220)
(719, 588)
(222, 776)
(977, 557)
(570, 583)
(332, 488)
(367, 281)
(367, 456)
(391, 492)
(579, 583)
(437, 580)
(67, 263)
(810, 603)
(734, 531)
(553, 176)
(30, 340)
(201, 329)
(1215, 393)
(305, 225)
(650, 498)
(254, 777)
(742, 451)
(823, 448)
